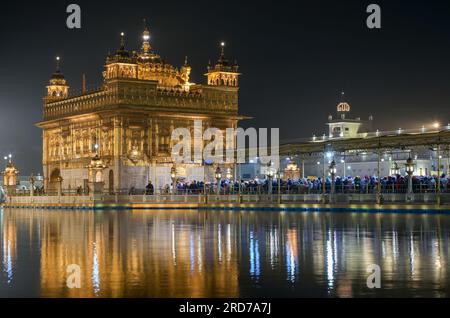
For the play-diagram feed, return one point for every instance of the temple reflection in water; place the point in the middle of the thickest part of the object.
(221, 254)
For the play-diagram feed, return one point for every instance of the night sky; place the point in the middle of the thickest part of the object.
(296, 58)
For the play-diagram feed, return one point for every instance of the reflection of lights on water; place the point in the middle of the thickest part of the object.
(7, 263)
(330, 260)
(436, 254)
(273, 246)
(174, 254)
(219, 241)
(291, 255)
(254, 257)
(191, 252)
(290, 262)
(395, 251)
(411, 255)
(95, 271)
(229, 242)
(199, 256)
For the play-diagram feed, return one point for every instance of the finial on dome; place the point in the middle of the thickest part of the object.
(122, 40)
(222, 50)
(146, 39)
(57, 64)
(222, 58)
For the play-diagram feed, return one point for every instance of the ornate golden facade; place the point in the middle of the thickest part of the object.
(129, 121)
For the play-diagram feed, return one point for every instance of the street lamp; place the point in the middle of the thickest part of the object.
(409, 170)
(173, 176)
(395, 170)
(270, 175)
(333, 171)
(32, 182)
(218, 175)
(229, 174)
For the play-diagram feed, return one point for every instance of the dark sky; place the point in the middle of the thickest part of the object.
(295, 56)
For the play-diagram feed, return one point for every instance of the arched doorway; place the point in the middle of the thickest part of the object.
(111, 182)
(53, 180)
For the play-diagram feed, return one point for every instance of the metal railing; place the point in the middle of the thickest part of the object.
(285, 197)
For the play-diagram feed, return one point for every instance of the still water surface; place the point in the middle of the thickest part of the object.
(222, 254)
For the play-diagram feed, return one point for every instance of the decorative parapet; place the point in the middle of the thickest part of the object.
(148, 94)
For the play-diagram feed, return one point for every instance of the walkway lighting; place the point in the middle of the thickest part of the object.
(218, 176)
(410, 170)
(395, 169)
(409, 166)
(229, 174)
(333, 171)
(173, 176)
(270, 175)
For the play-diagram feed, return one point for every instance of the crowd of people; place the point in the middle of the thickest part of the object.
(349, 184)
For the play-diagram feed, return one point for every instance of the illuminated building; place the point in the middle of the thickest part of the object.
(359, 150)
(344, 126)
(128, 122)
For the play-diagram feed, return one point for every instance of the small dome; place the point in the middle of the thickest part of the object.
(343, 107)
(57, 75)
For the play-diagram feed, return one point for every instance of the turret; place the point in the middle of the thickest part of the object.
(185, 73)
(122, 64)
(223, 74)
(57, 88)
(10, 177)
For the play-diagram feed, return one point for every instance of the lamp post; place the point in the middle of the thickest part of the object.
(333, 171)
(229, 175)
(270, 178)
(173, 176)
(395, 171)
(438, 181)
(32, 182)
(218, 175)
(410, 170)
(279, 186)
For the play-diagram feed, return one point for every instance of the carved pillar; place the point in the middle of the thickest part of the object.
(156, 137)
(45, 158)
(117, 150)
(150, 138)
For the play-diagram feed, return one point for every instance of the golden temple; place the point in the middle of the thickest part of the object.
(128, 121)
